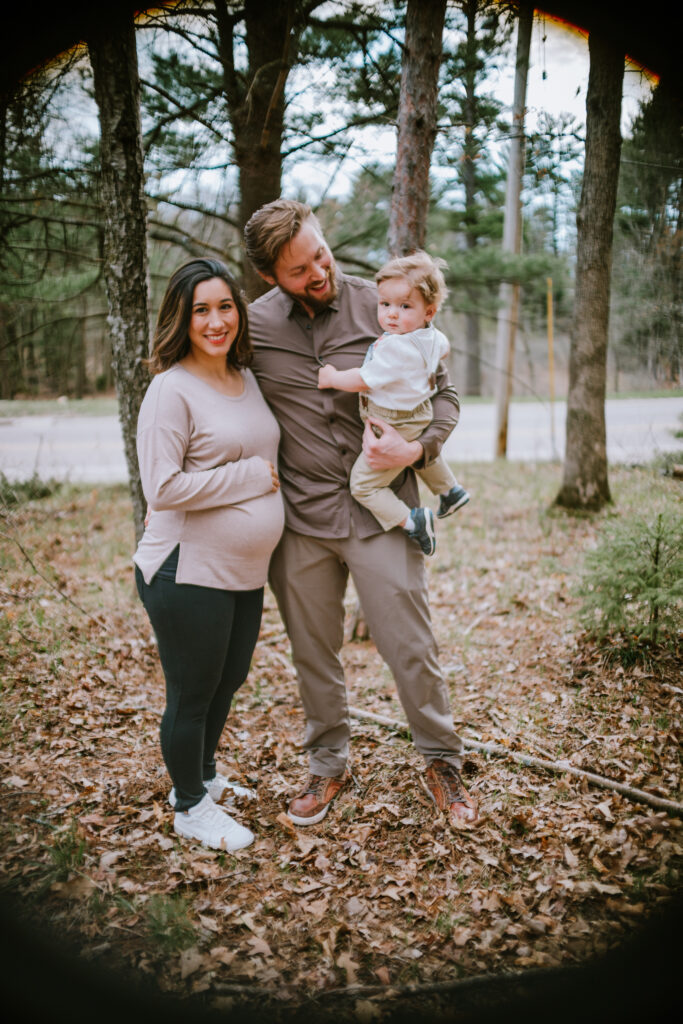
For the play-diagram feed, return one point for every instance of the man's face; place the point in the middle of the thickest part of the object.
(305, 269)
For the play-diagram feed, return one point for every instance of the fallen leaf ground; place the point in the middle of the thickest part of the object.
(381, 895)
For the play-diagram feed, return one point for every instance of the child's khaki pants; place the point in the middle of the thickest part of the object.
(370, 487)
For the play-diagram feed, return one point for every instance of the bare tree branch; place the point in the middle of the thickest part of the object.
(182, 111)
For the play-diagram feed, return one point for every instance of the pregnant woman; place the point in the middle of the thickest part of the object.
(207, 449)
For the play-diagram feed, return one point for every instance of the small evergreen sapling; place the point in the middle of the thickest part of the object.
(632, 586)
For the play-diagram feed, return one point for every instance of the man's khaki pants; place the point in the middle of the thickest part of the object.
(308, 576)
(370, 487)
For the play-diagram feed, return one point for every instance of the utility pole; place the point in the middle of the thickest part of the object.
(508, 310)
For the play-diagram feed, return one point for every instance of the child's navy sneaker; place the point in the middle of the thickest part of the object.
(451, 502)
(423, 529)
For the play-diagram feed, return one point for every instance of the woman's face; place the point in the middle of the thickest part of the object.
(215, 319)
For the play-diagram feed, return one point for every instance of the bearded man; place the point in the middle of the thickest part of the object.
(316, 314)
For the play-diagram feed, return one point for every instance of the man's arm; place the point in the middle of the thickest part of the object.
(446, 409)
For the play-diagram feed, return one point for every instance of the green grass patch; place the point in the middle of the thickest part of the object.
(17, 492)
(168, 922)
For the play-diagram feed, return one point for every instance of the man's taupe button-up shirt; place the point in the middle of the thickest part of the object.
(321, 431)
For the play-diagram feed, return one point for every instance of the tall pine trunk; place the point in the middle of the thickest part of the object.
(117, 91)
(585, 484)
(416, 134)
(256, 103)
(472, 376)
(416, 125)
(509, 294)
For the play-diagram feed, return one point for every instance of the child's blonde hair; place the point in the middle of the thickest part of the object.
(422, 270)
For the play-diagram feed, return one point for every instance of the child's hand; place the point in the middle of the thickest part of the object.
(326, 375)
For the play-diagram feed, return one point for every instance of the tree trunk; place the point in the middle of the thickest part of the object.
(512, 233)
(65, 361)
(80, 383)
(472, 380)
(117, 91)
(416, 134)
(416, 125)
(31, 363)
(256, 104)
(676, 346)
(472, 376)
(5, 383)
(585, 484)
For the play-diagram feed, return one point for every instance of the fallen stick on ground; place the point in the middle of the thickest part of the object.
(478, 981)
(638, 795)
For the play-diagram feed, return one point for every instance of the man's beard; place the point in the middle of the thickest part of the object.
(310, 301)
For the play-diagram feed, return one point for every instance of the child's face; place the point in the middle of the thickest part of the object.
(400, 307)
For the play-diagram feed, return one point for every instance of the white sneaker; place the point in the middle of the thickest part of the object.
(217, 789)
(212, 827)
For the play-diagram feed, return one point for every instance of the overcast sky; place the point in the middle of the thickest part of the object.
(564, 57)
(557, 49)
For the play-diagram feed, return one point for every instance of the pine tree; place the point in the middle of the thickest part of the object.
(469, 123)
(585, 481)
(113, 56)
(648, 278)
(417, 114)
(50, 237)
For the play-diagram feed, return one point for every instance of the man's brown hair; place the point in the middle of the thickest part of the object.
(273, 226)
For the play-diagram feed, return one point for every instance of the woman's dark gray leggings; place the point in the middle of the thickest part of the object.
(206, 638)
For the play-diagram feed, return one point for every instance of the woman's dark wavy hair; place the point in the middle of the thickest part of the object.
(171, 339)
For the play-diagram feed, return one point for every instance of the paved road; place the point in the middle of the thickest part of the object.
(89, 449)
(638, 429)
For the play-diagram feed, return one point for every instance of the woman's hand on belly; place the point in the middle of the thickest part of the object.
(274, 477)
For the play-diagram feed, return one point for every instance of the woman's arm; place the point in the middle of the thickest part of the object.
(161, 454)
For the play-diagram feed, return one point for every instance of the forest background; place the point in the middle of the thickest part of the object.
(573, 745)
(338, 101)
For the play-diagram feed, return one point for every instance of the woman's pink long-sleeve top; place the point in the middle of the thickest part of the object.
(204, 469)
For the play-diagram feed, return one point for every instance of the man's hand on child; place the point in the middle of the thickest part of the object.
(390, 450)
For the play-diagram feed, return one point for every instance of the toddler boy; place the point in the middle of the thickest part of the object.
(395, 383)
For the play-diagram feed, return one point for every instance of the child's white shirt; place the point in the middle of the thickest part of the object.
(398, 367)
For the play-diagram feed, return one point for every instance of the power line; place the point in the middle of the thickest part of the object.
(646, 163)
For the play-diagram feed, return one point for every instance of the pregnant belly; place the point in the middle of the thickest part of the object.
(247, 531)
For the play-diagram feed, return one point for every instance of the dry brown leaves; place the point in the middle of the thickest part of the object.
(382, 893)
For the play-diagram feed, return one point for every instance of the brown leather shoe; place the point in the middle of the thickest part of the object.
(313, 802)
(448, 792)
